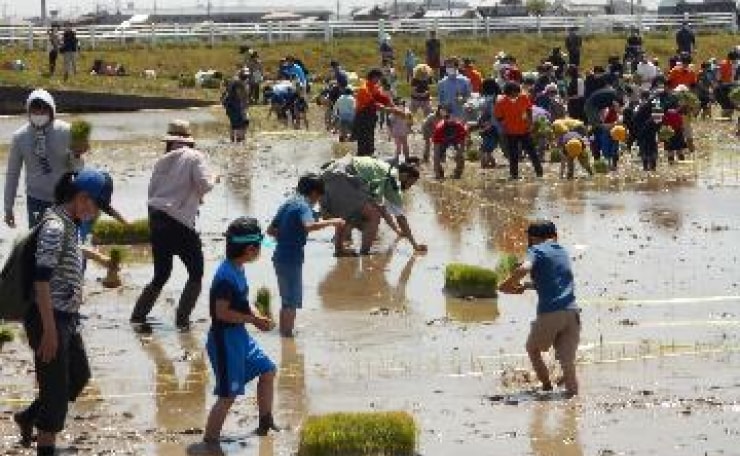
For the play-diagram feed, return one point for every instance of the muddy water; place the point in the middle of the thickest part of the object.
(657, 267)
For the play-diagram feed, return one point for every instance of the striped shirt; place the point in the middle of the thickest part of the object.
(59, 260)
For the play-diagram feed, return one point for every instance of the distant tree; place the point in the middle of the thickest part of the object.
(536, 7)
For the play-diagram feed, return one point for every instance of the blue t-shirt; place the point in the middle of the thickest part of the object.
(290, 222)
(552, 277)
(229, 284)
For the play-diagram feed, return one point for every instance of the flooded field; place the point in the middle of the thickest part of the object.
(658, 275)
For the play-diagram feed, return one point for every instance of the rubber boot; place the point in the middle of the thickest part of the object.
(145, 303)
(188, 299)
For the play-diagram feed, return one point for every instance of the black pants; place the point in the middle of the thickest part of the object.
(61, 380)
(364, 132)
(648, 152)
(171, 239)
(53, 55)
(514, 146)
(574, 58)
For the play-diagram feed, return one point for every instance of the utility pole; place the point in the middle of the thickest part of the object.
(43, 12)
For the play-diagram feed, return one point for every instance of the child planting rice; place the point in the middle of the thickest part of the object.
(290, 226)
(235, 356)
(558, 322)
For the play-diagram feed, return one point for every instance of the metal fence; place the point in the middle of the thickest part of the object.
(211, 33)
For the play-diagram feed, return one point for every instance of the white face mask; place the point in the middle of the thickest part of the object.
(39, 120)
(451, 71)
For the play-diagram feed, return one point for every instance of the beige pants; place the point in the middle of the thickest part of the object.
(561, 330)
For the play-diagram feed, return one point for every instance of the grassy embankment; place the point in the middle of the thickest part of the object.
(357, 54)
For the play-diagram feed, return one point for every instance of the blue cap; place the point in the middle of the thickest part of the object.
(98, 184)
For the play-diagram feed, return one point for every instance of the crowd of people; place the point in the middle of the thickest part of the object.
(631, 101)
(555, 111)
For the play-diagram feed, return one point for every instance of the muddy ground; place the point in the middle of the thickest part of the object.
(656, 262)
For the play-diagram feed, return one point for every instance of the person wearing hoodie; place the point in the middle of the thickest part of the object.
(454, 90)
(42, 146)
(179, 182)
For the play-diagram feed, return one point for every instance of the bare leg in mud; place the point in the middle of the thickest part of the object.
(371, 221)
(287, 322)
(265, 395)
(216, 419)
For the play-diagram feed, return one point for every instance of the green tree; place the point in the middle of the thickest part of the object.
(536, 7)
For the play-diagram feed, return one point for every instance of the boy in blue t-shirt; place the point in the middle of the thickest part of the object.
(235, 356)
(291, 225)
(558, 322)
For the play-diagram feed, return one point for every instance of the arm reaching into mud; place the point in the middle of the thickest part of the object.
(320, 225)
(403, 224)
(513, 284)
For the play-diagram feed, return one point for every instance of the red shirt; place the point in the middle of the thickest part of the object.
(726, 72)
(514, 114)
(673, 119)
(369, 97)
(449, 131)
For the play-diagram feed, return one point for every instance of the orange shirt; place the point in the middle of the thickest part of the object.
(514, 114)
(681, 75)
(369, 96)
(726, 72)
(476, 79)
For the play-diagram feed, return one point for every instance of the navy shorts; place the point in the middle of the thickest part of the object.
(290, 283)
(488, 143)
(236, 360)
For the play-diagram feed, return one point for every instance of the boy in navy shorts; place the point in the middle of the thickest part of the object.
(235, 356)
(291, 225)
(558, 322)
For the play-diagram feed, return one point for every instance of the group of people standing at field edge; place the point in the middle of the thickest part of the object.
(64, 198)
(558, 111)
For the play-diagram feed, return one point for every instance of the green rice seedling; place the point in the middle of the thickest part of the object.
(79, 135)
(6, 335)
(666, 133)
(555, 155)
(734, 96)
(263, 301)
(600, 166)
(359, 434)
(110, 232)
(472, 154)
(689, 101)
(112, 278)
(463, 280)
(117, 255)
(506, 265)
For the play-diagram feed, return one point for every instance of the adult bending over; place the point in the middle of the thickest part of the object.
(363, 191)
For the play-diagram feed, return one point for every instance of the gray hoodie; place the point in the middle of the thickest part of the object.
(41, 178)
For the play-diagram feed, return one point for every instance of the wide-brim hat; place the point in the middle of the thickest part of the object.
(179, 131)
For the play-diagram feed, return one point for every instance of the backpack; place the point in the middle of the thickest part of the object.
(16, 277)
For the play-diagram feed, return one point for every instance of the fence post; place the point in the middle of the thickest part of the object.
(121, 37)
(211, 34)
(93, 36)
(733, 23)
(152, 34)
(269, 32)
(30, 37)
(327, 31)
(381, 29)
(488, 27)
(539, 24)
(475, 27)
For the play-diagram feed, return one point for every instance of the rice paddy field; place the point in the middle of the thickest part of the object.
(656, 262)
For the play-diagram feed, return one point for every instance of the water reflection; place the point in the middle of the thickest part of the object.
(179, 405)
(362, 283)
(471, 311)
(553, 430)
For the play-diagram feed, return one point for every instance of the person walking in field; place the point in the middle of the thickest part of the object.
(514, 112)
(180, 180)
(236, 358)
(70, 48)
(685, 39)
(53, 321)
(573, 44)
(54, 44)
(434, 54)
(290, 226)
(558, 322)
(42, 146)
(235, 101)
(369, 98)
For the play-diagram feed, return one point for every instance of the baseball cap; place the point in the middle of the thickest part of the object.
(542, 229)
(98, 184)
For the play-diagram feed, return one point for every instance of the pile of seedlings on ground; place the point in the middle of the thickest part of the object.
(111, 232)
(359, 434)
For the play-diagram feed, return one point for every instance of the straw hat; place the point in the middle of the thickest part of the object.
(179, 131)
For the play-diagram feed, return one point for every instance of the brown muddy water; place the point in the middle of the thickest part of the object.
(656, 262)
